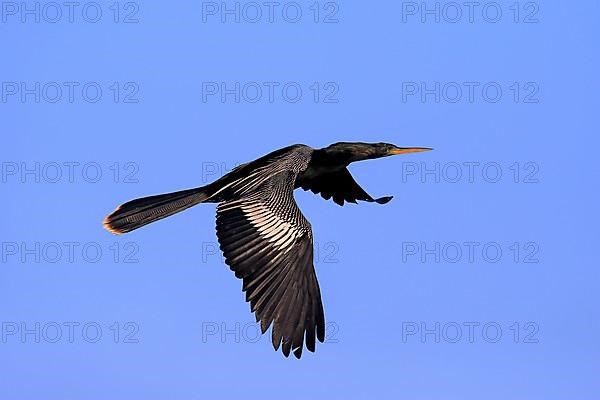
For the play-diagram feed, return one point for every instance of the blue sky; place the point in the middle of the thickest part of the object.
(477, 281)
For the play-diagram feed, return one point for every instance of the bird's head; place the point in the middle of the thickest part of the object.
(357, 151)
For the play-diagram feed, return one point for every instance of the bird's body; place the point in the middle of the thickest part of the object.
(266, 240)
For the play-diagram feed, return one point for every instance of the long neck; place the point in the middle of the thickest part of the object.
(342, 154)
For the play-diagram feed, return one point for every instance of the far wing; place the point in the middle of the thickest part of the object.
(339, 185)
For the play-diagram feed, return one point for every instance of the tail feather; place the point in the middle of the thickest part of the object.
(136, 213)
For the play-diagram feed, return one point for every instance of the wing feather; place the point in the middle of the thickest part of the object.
(268, 243)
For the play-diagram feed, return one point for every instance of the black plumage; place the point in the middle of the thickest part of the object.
(266, 240)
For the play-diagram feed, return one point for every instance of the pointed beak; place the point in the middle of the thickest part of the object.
(406, 150)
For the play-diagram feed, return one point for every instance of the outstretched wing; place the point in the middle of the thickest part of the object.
(339, 185)
(268, 243)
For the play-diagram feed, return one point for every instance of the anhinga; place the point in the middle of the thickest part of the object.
(265, 238)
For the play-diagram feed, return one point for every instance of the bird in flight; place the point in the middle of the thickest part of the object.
(265, 239)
